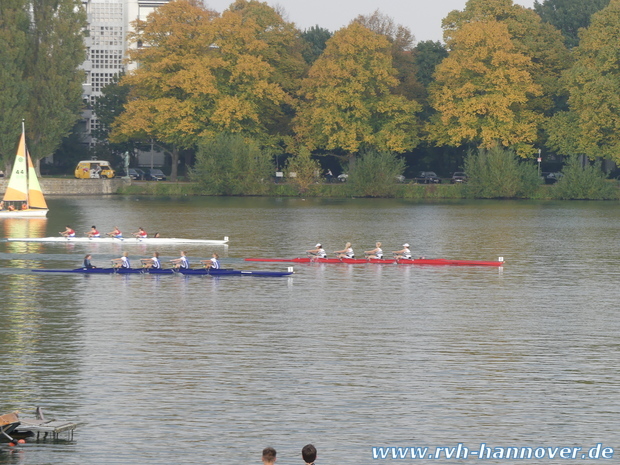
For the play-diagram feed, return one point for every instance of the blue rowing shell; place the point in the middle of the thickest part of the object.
(199, 272)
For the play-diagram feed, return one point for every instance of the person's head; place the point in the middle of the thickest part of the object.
(318, 246)
(93, 227)
(183, 253)
(87, 257)
(308, 452)
(125, 254)
(216, 256)
(68, 227)
(378, 244)
(269, 455)
(141, 229)
(405, 245)
(347, 245)
(156, 254)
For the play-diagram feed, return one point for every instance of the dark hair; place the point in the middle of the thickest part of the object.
(94, 227)
(308, 453)
(269, 454)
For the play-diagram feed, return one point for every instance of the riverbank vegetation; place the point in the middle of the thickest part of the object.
(233, 98)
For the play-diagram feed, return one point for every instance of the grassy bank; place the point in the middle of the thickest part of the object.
(333, 190)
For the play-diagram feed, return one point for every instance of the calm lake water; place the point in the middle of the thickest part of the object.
(198, 370)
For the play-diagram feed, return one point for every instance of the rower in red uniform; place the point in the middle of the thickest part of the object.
(68, 232)
(140, 234)
(93, 232)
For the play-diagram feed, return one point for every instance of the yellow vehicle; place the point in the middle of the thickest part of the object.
(94, 169)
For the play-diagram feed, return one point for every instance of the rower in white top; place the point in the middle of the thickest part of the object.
(347, 252)
(317, 252)
(376, 253)
(404, 253)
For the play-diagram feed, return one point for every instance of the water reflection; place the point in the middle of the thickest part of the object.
(345, 356)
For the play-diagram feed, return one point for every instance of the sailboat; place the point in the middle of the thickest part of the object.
(23, 197)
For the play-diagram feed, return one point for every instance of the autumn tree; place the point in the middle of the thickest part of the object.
(348, 100)
(202, 74)
(592, 126)
(530, 36)
(402, 44)
(482, 91)
(569, 16)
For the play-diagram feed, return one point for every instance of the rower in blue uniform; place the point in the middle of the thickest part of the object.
(181, 263)
(122, 262)
(213, 263)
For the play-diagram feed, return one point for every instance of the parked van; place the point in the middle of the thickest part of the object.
(94, 169)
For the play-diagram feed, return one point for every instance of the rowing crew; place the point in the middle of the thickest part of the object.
(347, 252)
(116, 233)
(154, 262)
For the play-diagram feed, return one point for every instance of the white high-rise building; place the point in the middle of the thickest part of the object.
(109, 21)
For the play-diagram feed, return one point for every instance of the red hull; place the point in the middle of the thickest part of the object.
(360, 261)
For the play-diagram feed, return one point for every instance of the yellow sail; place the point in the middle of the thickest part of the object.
(17, 190)
(35, 195)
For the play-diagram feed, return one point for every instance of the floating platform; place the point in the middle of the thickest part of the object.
(43, 427)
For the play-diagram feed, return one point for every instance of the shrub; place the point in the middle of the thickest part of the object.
(374, 174)
(306, 170)
(229, 164)
(583, 182)
(499, 173)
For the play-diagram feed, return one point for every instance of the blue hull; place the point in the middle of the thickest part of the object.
(199, 272)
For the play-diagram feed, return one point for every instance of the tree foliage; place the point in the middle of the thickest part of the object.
(14, 23)
(482, 90)
(593, 83)
(230, 164)
(539, 41)
(375, 174)
(315, 40)
(569, 16)
(41, 49)
(583, 180)
(57, 50)
(302, 170)
(348, 101)
(203, 74)
(499, 173)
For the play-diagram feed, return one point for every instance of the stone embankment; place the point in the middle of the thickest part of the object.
(51, 186)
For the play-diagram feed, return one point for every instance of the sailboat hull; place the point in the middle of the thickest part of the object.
(30, 213)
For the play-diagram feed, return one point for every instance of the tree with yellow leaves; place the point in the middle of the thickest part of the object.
(592, 126)
(482, 91)
(348, 101)
(201, 74)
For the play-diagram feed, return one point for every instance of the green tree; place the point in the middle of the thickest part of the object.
(56, 51)
(375, 174)
(569, 16)
(306, 170)
(316, 38)
(582, 180)
(14, 23)
(230, 164)
(428, 55)
(593, 83)
(348, 101)
(499, 173)
(482, 90)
